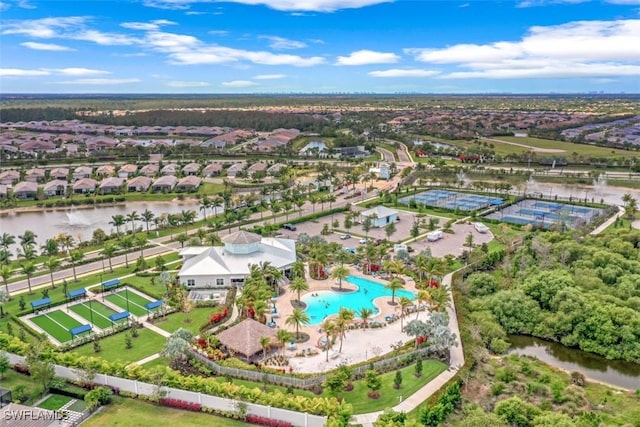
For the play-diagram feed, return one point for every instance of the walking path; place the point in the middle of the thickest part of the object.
(456, 362)
(608, 222)
(145, 360)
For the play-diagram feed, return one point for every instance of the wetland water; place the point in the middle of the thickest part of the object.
(613, 372)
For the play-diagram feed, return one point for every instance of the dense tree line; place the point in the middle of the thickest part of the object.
(583, 292)
(37, 114)
(258, 120)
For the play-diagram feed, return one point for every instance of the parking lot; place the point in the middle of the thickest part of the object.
(453, 243)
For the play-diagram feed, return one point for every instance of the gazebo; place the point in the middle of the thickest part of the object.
(243, 339)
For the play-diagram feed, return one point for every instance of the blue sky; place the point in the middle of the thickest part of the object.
(319, 46)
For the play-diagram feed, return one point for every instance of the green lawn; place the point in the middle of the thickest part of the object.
(55, 402)
(136, 302)
(57, 324)
(389, 396)
(198, 316)
(32, 389)
(569, 147)
(100, 315)
(133, 413)
(113, 347)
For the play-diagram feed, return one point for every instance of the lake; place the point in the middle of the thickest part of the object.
(614, 372)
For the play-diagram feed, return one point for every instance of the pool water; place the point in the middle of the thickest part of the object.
(328, 303)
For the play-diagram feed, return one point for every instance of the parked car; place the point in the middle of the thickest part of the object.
(289, 227)
(365, 240)
(345, 236)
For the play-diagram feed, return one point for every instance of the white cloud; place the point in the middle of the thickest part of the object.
(18, 72)
(208, 54)
(269, 76)
(24, 4)
(81, 72)
(147, 26)
(239, 83)
(105, 39)
(187, 84)
(46, 46)
(535, 3)
(43, 28)
(280, 43)
(365, 57)
(99, 82)
(580, 49)
(312, 5)
(219, 32)
(404, 73)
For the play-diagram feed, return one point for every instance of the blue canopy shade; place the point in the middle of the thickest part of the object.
(110, 283)
(40, 302)
(77, 293)
(80, 329)
(119, 316)
(153, 304)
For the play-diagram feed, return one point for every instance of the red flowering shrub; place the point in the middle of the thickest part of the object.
(218, 317)
(268, 422)
(181, 404)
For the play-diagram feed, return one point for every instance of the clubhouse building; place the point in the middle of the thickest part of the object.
(229, 265)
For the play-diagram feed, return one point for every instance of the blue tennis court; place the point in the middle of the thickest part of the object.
(546, 214)
(452, 200)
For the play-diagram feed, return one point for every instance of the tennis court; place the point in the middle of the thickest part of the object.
(546, 214)
(136, 302)
(57, 324)
(100, 316)
(452, 200)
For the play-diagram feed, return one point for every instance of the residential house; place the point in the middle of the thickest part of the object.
(139, 184)
(9, 177)
(82, 172)
(85, 186)
(105, 170)
(149, 170)
(212, 169)
(25, 190)
(256, 167)
(59, 173)
(34, 175)
(189, 183)
(56, 187)
(191, 169)
(164, 183)
(127, 170)
(170, 169)
(275, 169)
(4, 191)
(111, 185)
(235, 169)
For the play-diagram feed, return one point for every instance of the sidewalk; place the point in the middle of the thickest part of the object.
(608, 222)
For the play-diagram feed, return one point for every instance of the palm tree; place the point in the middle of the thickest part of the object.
(283, 336)
(394, 285)
(126, 243)
(424, 296)
(187, 217)
(330, 331)
(50, 247)
(6, 271)
(66, 241)
(132, 218)
(140, 241)
(28, 268)
(298, 318)
(265, 342)
(205, 204)
(147, 216)
(216, 203)
(365, 314)
(440, 300)
(404, 304)
(52, 264)
(117, 221)
(7, 240)
(172, 221)
(298, 284)
(340, 272)
(108, 250)
(75, 257)
(345, 316)
(28, 239)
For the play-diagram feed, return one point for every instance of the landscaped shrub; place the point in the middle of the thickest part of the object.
(181, 404)
(268, 422)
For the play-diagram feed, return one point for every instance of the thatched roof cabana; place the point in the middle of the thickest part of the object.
(244, 338)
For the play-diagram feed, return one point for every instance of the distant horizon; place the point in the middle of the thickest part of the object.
(320, 46)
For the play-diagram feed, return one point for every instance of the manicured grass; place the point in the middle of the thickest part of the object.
(136, 302)
(78, 406)
(133, 413)
(389, 396)
(113, 347)
(13, 379)
(198, 316)
(569, 147)
(100, 316)
(55, 402)
(160, 361)
(57, 324)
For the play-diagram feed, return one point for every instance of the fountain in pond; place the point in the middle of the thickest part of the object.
(77, 219)
(531, 186)
(600, 185)
(463, 179)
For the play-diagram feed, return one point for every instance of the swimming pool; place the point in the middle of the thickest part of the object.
(328, 303)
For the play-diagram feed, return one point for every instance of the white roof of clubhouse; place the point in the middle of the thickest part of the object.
(218, 260)
(380, 211)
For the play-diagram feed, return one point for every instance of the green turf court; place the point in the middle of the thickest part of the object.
(101, 313)
(57, 324)
(136, 302)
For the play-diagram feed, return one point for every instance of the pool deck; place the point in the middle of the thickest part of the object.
(359, 344)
